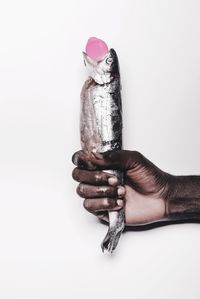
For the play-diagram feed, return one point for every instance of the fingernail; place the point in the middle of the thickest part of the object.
(97, 155)
(120, 202)
(112, 181)
(75, 159)
(120, 190)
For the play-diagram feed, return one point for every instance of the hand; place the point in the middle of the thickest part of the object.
(143, 195)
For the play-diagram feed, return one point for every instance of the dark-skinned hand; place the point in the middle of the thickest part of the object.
(143, 194)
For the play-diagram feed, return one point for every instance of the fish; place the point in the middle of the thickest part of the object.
(101, 124)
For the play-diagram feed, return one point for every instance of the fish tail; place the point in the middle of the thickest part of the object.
(114, 232)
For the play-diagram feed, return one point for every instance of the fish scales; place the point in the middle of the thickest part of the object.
(101, 130)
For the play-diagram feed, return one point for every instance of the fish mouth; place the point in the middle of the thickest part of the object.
(92, 62)
(88, 61)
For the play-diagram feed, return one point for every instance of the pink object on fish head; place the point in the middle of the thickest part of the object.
(96, 48)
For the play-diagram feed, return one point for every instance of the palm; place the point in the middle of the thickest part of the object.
(146, 186)
(140, 208)
(144, 199)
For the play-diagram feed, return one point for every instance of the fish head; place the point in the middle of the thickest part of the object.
(104, 70)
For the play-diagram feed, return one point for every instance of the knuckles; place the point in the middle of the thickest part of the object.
(102, 190)
(98, 176)
(105, 203)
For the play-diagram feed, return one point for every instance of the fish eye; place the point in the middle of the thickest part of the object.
(109, 60)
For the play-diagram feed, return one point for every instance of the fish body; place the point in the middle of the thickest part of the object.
(101, 124)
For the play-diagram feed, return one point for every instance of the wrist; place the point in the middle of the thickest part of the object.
(183, 197)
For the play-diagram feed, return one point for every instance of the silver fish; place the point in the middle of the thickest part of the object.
(101, 123)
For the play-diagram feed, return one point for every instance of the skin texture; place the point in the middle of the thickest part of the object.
(144, 193)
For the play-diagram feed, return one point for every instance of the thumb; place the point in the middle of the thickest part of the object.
(116, 159)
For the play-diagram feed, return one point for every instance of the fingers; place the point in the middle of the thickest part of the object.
(91, 191)
(116, 159)
(101, 198)
(94, 177)
(94, 205)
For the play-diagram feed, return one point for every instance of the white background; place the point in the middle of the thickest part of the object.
(49, 245)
